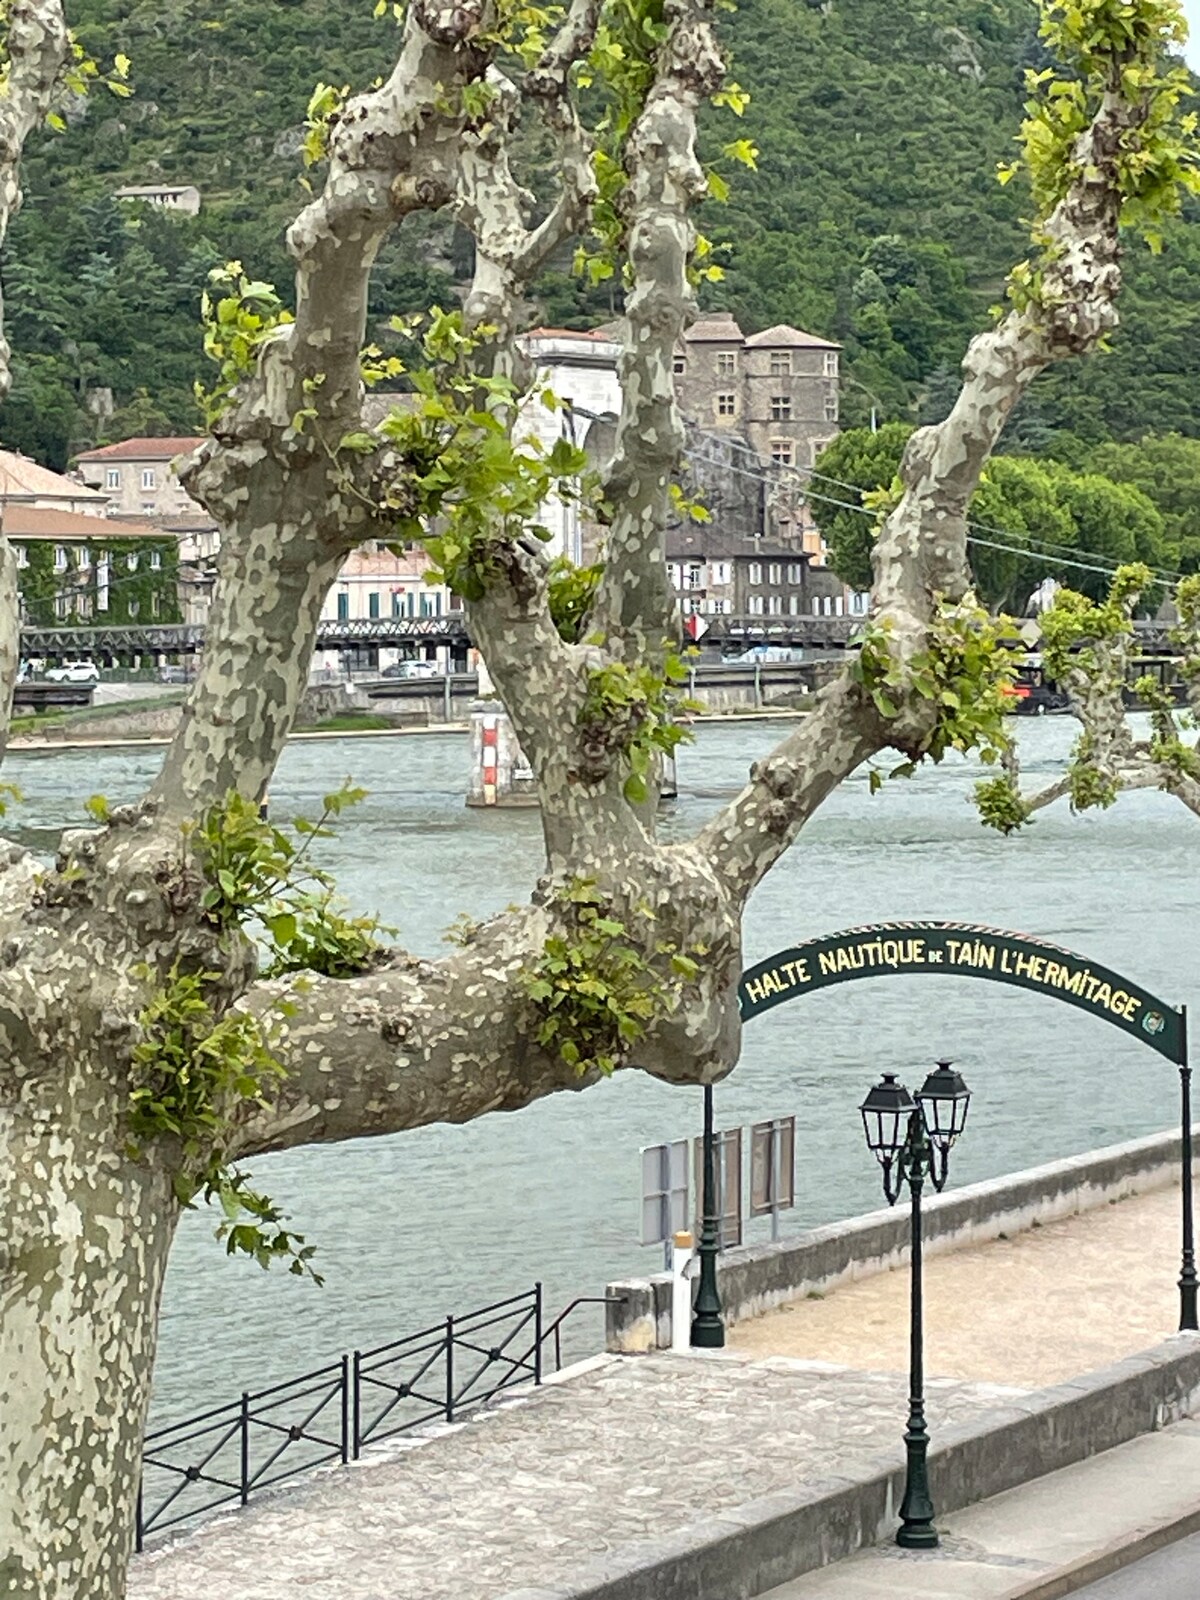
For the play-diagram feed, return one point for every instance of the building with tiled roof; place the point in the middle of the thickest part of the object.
(25, 483)
(778, 389)
(138, 475)
(75, 568)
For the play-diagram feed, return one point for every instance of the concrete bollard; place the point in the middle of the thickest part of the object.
(681, 1292)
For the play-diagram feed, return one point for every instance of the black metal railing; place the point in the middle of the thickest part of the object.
(223, 1456)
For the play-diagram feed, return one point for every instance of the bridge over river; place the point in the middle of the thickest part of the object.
(119, 645)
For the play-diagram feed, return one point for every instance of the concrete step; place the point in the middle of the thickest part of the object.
(1045, 1539)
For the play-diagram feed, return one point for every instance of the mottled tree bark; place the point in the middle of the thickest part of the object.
(85, 1227)
(36, 46)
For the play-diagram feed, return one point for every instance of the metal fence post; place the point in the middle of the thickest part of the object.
(449, 1369)
(139, 1532)
(245, 1447)
(537, 1333)
(1188, 1283)
(345, 1409)
(357, 1403)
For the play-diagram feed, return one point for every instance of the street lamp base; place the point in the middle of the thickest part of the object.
(918, 1536)
(708, 1335)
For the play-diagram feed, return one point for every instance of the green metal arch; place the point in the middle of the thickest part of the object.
(965, 950)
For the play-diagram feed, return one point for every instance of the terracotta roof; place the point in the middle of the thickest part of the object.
(20, 476)
(720, 328)
(143, 450)
(596, 334)
(43, 522)
(783, 337)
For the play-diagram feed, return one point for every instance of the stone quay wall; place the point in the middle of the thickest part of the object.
(757, 1278)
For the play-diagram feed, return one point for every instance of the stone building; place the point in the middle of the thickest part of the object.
(183, 197)
(138, 476)
(777, 389)
(26, 483)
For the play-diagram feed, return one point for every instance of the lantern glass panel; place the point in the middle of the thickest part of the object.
(944, 1099)
(885, 1114)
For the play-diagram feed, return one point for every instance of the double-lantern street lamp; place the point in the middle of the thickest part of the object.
(911, 1139)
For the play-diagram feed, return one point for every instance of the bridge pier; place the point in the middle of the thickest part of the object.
(500, 774)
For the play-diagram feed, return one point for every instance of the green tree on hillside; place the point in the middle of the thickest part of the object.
(1165, 468)
(1030, 520)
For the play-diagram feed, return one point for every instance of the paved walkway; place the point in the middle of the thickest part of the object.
(529, 1492)
(1032, 1310)
(1048, 1538)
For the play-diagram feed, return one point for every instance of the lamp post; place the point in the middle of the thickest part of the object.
(708, 1326)
(911, 1140)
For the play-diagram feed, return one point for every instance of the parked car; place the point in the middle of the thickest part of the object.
(74, 672)
(174, 674)
(412, 669)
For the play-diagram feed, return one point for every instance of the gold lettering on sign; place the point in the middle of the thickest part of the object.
(968, 953)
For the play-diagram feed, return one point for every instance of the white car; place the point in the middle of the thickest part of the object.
(74, 672)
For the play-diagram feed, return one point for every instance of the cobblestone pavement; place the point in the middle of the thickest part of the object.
(527, 1492)
(1097, 1286)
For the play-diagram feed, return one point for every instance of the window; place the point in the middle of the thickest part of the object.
(781, 408)
(147, 508)
(754, 605)
(131, 561)
(774, 572)
(816, 607)
(81, 556)
(720, 572)
(343, 605)
(775, 605)
(695, 576)
(859, 602)
(155, 604)
(726, 363)
(827, 605)
(783, 452)
(62, 606)
(795, 572)
(717, 607)
(839, 606)
(156, 561)
(373, 604)
(149, 478)
(396, 599)
(793, 605)
(756, 572)
(727, 405)
(679, 365)
(781, 363)
(831, 408)
(112, 478)
(134, 607)
(22, 555)
(831, 364)
(816, 446)
(60, 558)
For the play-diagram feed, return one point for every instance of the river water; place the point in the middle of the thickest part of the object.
(416, 1226)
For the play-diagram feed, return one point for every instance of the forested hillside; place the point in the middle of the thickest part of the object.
(874, 216)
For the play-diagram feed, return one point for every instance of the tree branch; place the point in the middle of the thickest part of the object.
(290, 505)
(36, 45)
(634, 606)
(920, 556)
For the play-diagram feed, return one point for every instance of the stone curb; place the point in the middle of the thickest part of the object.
(751, 1548)
(1067, 1580)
